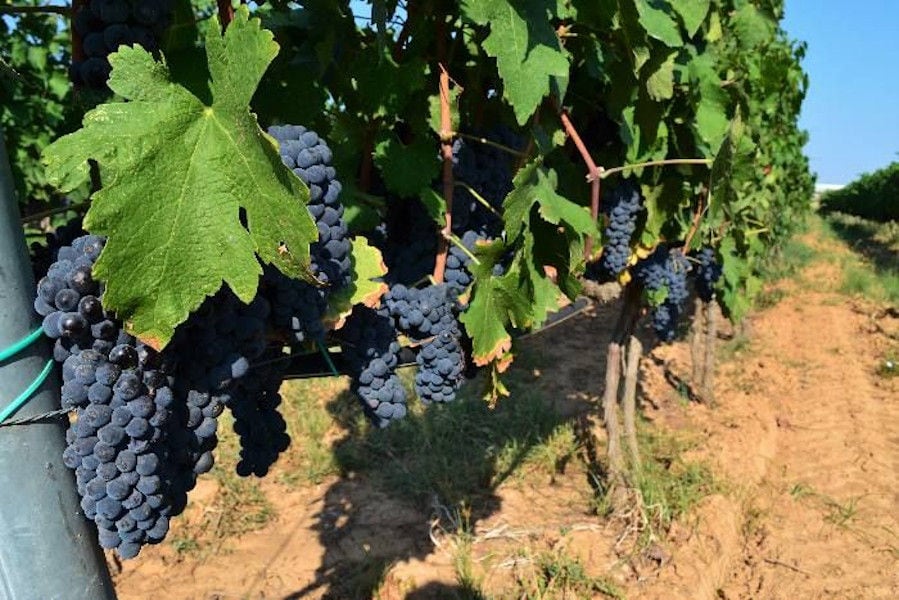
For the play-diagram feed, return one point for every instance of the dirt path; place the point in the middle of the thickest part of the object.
(808, 435)
(804, 440)
(825, 511)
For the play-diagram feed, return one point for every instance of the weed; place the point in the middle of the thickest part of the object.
(463, 564)
(239, 505)
(458, 451)
(789, 260)
(769, 297)
(556, 575)
(308, 425)
(185, 545)
(753, 521)
(874, 272)
(801, 490)
(740, 343)
(841, 513)
(669, 485)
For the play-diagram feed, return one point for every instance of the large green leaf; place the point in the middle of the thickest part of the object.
(530, 59)
(692, 13)
(660, 82)
(752, 26)
(658, 24)
(535, 184)
(407, 168)
(493, 306)
(177, 176)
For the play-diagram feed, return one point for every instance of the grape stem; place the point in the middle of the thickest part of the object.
(226, 13)
(487, 142)
(55, 211)
(653, 163)
(457, 242)
(24, 10)
(478, 197)
(697, 218)
(446, 150)
(594, 174)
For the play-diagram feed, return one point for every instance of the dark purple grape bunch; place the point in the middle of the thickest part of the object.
(297, 305)
(370, 345)
(708, 272)
(428, 316)
(123, 402)
(665, 272)
(488, 170)
(307, 155)
(104, 25)
(44, 254)
(68, 299)
(623, 206)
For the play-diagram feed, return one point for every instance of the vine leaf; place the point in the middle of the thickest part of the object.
(529, 57)
(535, 184)
(490, 338)
(692, 13)
(192, 192)
(492, 306)
(550, 230)
(658, 24)
(366, 287)
(435, 204)
(407, 168)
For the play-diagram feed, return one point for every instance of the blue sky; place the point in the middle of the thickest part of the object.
(852, 108)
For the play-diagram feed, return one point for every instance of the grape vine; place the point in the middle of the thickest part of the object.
(218, 251)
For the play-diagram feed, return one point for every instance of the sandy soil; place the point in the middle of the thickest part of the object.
(804, 438)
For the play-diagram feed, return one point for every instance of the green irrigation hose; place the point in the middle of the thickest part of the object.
(25, 396)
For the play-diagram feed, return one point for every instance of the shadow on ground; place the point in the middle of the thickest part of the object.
(438, 470)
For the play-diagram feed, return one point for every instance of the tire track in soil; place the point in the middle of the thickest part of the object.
(828, 499)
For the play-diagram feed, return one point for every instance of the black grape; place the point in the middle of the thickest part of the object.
(623, 207)
(105, 25)
(487, 170)
(409, 241)
(457, 275)
(258, 423)
(121, 404)
(708, 272)
(428, 316)
(666, 270)
(441, 366)
(369, 343)
(297, 305)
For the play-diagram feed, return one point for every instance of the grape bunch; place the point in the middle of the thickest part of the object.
(118, 443)
(297, 305)
(441, 365)
(104, 25)
(257, 422)
(488, 171)
(428, 316)
(210, 357)
(43, 254)
(707, 273)
(666, 270)
(368, 340)
(410, 241)
(419, 313)
(457, 275)
(146, 422)
(624, 206)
